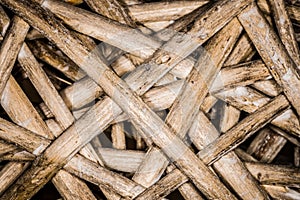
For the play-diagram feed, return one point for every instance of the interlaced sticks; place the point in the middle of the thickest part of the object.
(62, 151)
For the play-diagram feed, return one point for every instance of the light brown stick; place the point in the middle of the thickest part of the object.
(4, 23)
(285, 29)
(106, 78)
(71, 187)
(277, 60)
(10, 48)
(274, 174)
(163, 11)
(44, 87)
(126, 38)
(188, 101)
(43, 52)
(243, 130)
(112, 9)
(266, 145)
(164, 186)
(88, 170)
(10, 173)
(21, 111)
(279, 192)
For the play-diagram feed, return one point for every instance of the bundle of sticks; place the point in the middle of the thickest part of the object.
(111, 99)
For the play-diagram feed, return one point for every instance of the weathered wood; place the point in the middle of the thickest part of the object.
(289, 137)
(34, 34)
(118, 136)
(74, 2)
(164, 186)
(268, 87)
(10, 48)
(241, 75)
(163, 11)
(121, 160)
(76, 98)
(21, 111)
(188, 191)
(243, 98)
(10, 173)
(292, 10)
(279, 192)
(6, 147)
(269, 174)
(266, 145)
(229, 118)
(23, 137)
(243, 51)
(57, 38)
(195, 88)
(87, 170)
(4, 23)
(285, 29)
(18, 155)
(48, 55)
(229, 167)
(44, 87)
(113, 33)
(273, 53)
(71, 187)
(112, 9)
(243, 129)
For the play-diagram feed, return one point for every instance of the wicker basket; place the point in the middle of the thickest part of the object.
(105, 99)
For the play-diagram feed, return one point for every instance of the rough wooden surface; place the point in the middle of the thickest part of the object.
(118, 99)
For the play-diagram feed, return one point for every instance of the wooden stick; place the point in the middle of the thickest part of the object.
(21, 111)
(189, 158)
(6, 147)
(268, 87)
(229, 118)
(188, 191)
(164, 186)
(292, 10)
(48, 55)
(126, 38)
(277, 60)
(10, 48)
(274, 174)
(297, 156)
(118, 136)
(241, 75)
(34, 34)
(243, 98)
(185, 107)
(229, 167)
(285, 29)
(266, 145)
(76, 98)
(243, 130)
(28, 140)
(243, 51)
(289, 137)
(10, 173)
(279, 192)
(121, 160)
(19, 155)
(71, 187)
(90, 171)
(44, 87)
(112, 9)
(74, 2)
(4, 23)
(163, 11)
